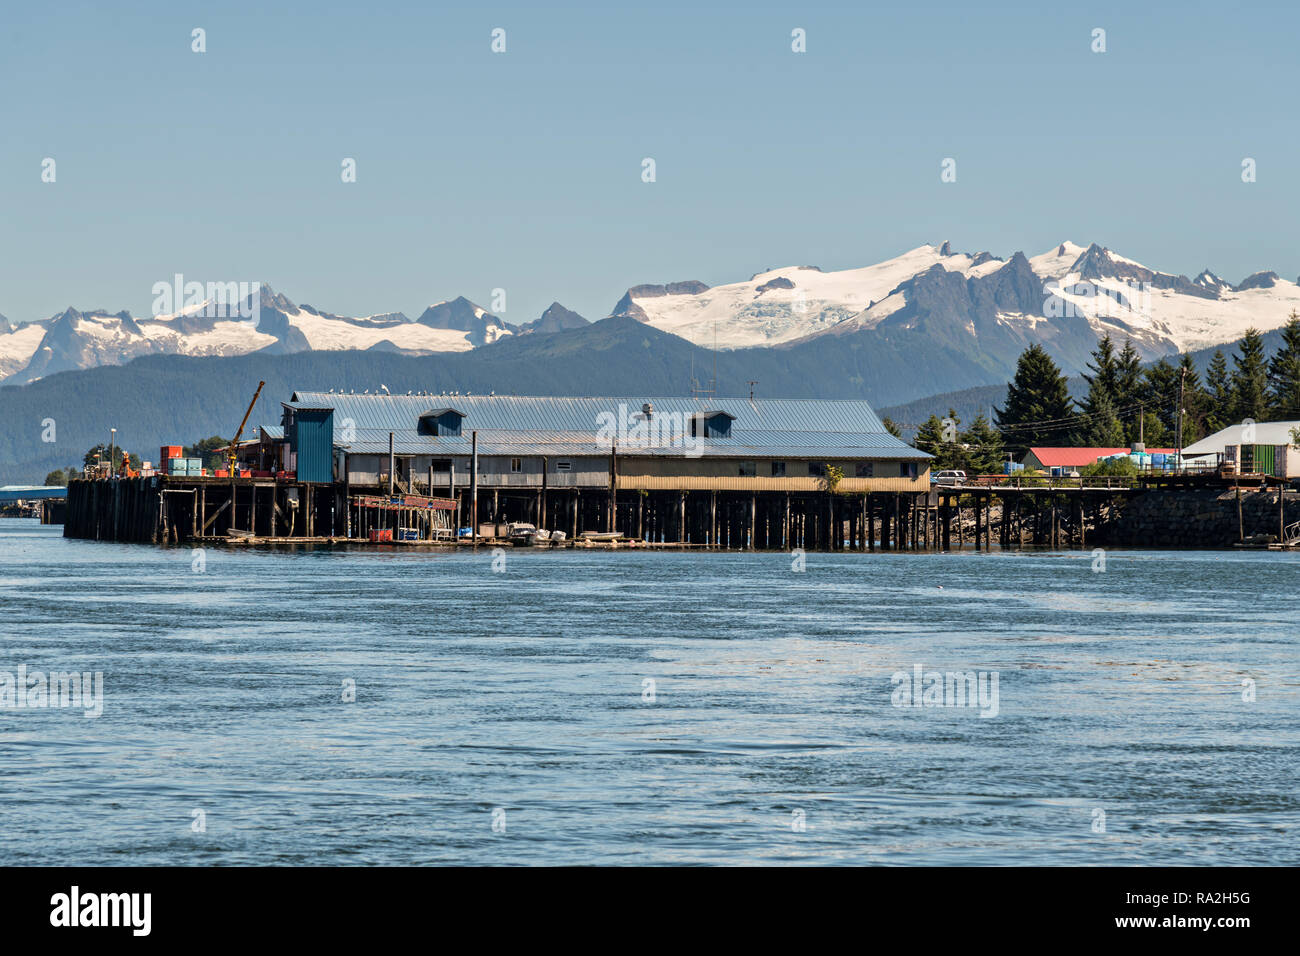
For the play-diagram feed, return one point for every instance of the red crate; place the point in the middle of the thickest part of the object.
(381, 534)
(168, 451)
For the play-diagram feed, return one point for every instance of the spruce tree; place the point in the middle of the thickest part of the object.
(930, 438)
(1105, 373)
(1128, 390)
(1038, 408)
(1250, 380)
(1159, 394)
(984, 452)
(1284, 373)
(1100, 401)
(1197, 403)
(1102, 428)
(1219, 388)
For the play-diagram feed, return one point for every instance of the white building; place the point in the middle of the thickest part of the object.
(1212, 448)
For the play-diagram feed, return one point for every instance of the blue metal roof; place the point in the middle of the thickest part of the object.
(31, 492)
(512, 425)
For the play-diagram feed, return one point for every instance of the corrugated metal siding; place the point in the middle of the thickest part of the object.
(313, 442)
(817, 446)
(736, 483)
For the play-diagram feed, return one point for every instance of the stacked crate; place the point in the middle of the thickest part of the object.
(187, 467)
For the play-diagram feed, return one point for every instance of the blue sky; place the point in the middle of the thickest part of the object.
(522, 170)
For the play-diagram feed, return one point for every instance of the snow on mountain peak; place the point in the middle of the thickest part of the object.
(1161, 312)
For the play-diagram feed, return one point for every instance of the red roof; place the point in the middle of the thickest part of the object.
(1078, 457)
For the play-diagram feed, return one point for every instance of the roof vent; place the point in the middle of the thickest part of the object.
(648, 410)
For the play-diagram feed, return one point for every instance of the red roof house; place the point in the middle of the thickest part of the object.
(1044, 459)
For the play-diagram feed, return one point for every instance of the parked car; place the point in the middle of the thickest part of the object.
(948, 478)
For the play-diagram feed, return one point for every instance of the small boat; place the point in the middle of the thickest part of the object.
(522, 534)
(601, 535)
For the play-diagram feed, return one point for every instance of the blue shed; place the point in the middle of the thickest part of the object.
(310, 433)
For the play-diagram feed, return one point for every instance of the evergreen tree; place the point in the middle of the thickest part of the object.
(939, 438)
(1250, 380)
(1038, 407)
(891, 426)
(56, 477)
(1284, 373)
(1104, 379)
(1219, 388)
(1159, 394)
(1128, 391)
(1102, 428)
(983, 448)
(1102, 383)
(1197, 403)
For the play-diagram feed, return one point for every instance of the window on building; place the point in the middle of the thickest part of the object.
(711, 424)
(865, 469)
(909, 469)
(816, 469)
(516, 465)
(748, 469)
(778, 469)
(564, 466)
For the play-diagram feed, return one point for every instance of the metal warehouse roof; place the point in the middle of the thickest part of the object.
(791, 427)
(374, 441)
(509, 411)
(1266, 433)
(31, 492)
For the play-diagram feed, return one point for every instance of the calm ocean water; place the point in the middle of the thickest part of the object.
(769, 734)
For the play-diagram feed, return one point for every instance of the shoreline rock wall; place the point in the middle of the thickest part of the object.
(1195, 519)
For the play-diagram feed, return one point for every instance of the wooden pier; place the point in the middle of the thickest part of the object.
(199, 510)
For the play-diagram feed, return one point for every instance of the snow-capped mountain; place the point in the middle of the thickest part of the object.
(76, 340)
(980, 309)
(556, 318)
(1064, 297)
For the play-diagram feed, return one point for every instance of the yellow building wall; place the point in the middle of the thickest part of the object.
(691, 474)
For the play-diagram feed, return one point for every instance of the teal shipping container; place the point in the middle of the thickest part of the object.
(310, 432)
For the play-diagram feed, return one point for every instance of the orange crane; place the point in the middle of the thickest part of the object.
(232, 457)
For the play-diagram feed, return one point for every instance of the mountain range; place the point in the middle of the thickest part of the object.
(979, 308)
